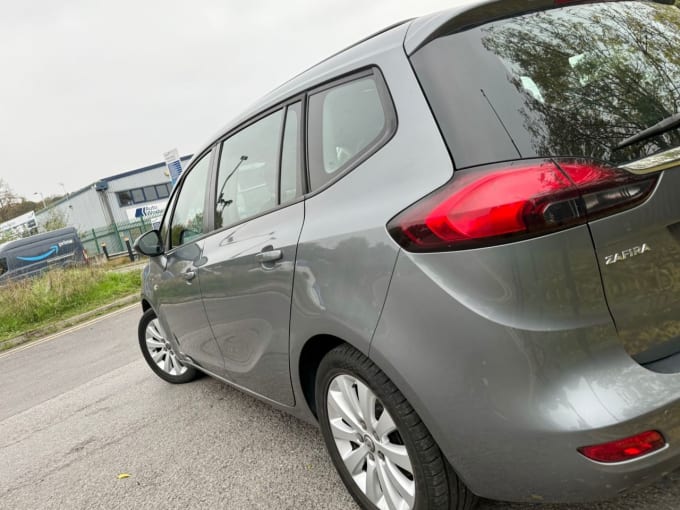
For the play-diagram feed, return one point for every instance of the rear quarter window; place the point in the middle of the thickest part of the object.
(572, 81)
(347, 122)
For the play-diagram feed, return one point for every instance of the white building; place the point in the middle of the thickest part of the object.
(121, 198)
(18, 227)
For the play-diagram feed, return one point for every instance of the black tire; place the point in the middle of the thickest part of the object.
(436, 485)
(188, 374)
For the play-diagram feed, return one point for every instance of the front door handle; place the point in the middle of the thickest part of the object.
(189, 275)
(269, 256)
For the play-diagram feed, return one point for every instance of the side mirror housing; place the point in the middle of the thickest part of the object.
(149, 244)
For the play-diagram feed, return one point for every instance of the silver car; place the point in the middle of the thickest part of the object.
(455, 246)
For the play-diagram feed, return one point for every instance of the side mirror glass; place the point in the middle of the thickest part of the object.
(149, 244)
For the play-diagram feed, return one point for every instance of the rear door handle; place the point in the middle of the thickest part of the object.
(268, 256)
(189, 275)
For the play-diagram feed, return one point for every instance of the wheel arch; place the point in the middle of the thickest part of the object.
(311, 355)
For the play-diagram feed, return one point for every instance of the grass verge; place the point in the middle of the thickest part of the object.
(59, 294)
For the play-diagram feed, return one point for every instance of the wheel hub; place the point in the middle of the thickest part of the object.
(161, 350)
(370, 444)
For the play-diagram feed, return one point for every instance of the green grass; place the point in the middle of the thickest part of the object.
(60, 294)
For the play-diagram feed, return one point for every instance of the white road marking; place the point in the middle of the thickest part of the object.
(82, 325)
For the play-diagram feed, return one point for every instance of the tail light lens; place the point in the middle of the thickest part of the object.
(502, 204)
(625, 449)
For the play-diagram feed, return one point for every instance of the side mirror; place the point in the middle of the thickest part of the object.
(149, 244)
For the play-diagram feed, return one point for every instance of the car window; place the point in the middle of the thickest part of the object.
(604, 72)
(187, 218)
(344, 122)
(291, 185)
(3, 265)
(248, 169)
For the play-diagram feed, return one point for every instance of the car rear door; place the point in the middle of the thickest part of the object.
(639, 256)
(250, 259)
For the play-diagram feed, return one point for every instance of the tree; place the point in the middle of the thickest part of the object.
(12, 205)
(55, 219)
(7, 198)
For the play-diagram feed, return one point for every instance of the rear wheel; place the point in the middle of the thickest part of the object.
(382, 450)
(159, 353)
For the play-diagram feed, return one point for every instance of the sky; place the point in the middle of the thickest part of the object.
(91, 89)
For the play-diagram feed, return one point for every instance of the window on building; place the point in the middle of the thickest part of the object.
(162, 190)
(125, 198)
(145, 194)
(150, 193)
(138, 195)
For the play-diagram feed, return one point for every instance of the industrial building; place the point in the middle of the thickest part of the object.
(118, 199)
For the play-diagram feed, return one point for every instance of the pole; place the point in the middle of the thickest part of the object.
(129, 249)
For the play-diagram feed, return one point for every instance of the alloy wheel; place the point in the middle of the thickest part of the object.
(370, 444)
(161, 351)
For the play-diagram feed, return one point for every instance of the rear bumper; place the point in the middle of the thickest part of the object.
(511, 385)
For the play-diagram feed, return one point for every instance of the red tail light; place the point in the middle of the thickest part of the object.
(502, 204)
(625, 449)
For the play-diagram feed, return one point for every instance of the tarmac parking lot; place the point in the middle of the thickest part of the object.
(81, 410)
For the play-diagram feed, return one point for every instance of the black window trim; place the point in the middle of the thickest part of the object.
(301, 163)
(388, 132)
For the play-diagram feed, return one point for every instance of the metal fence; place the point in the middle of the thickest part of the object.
(114, 236)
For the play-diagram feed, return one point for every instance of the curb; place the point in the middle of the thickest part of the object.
(55, 327)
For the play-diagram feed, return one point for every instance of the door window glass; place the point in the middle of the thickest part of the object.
(291, 185)
(344, 122)
(247, 175)
(187, 218)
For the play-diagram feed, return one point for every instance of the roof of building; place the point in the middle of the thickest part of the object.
(109, 179)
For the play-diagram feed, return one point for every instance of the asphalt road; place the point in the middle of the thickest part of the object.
(78, 410)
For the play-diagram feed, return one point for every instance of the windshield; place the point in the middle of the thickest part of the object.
(574, 81)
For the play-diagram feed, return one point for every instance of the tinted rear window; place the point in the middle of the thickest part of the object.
(573, 81)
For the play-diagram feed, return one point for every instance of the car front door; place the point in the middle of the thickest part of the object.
(250, 258)
(177, 283)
